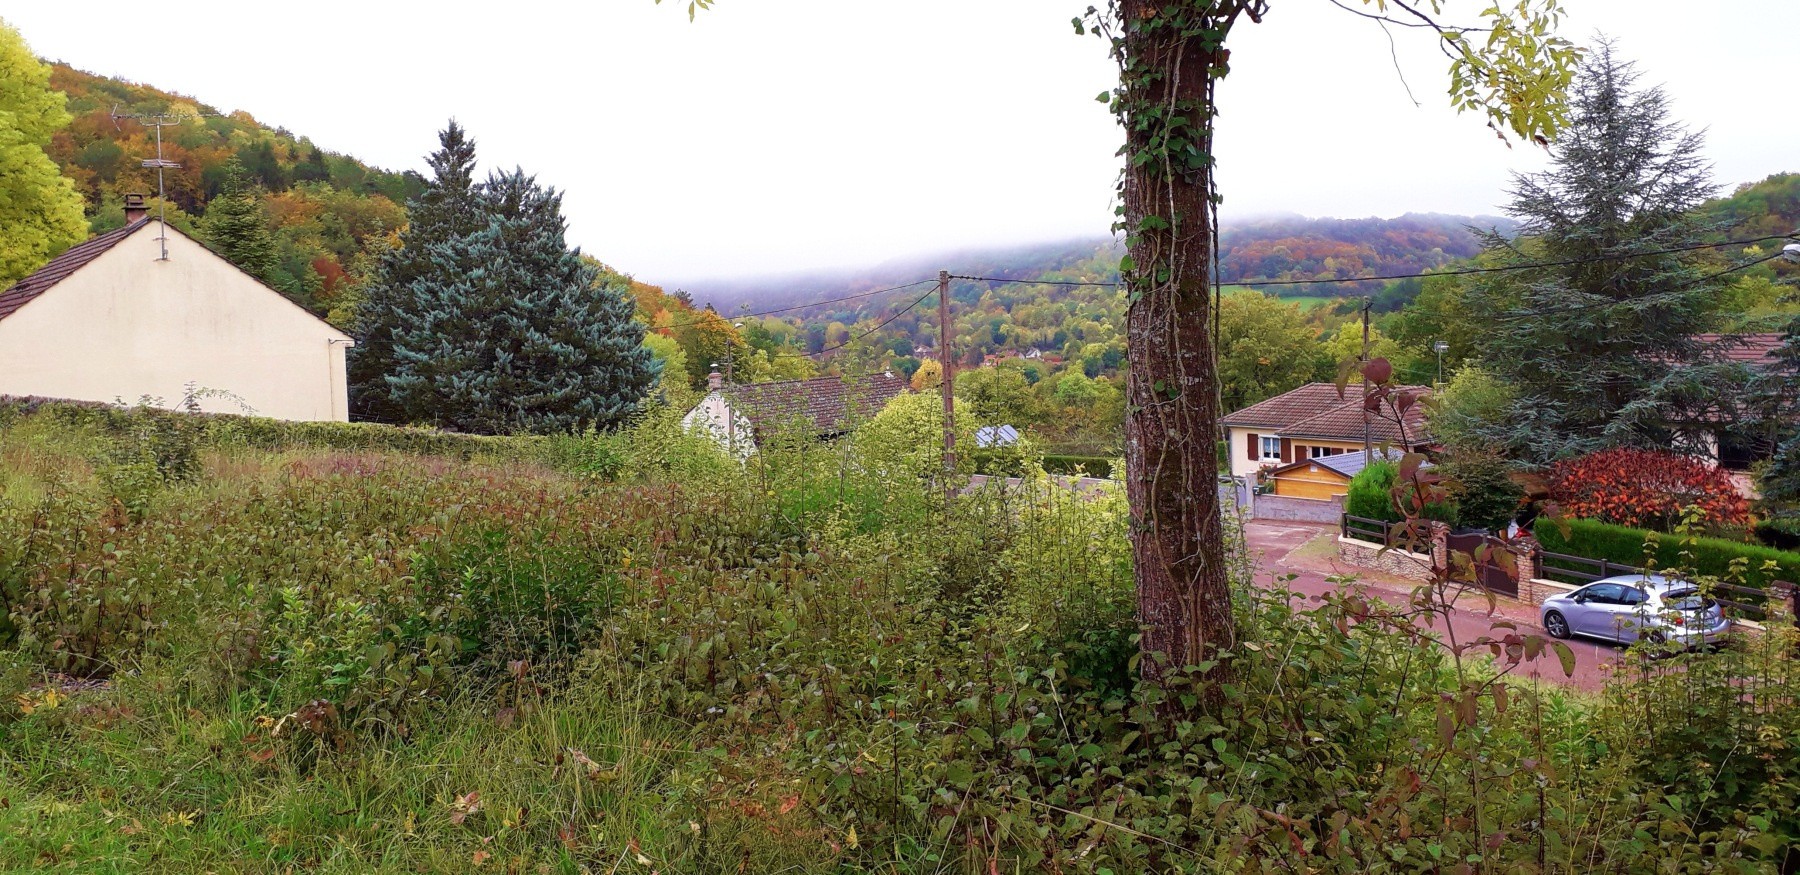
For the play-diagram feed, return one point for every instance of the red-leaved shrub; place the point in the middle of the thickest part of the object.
(1645, 489)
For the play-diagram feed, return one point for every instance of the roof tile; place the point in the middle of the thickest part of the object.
(1316, 410)
(829, 403)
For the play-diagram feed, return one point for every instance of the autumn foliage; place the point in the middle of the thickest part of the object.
(1645, 489)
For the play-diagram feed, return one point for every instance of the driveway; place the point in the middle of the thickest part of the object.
(1310, 553)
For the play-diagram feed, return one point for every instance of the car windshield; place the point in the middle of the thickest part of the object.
(1686, 600)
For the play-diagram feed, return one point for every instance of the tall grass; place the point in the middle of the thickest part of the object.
(237, 656)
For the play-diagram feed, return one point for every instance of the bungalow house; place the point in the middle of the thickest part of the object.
(147, 312)
(822, 407)
(1311, 422)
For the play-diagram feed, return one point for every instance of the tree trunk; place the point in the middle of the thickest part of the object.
(1171, 419)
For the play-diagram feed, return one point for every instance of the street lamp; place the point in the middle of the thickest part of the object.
(1439, 347)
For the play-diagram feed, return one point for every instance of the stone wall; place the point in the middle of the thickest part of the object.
(1404, 563)
(1305, 510)
(1534, 590)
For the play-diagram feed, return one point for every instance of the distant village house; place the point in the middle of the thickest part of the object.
(114, 320)
(740, 416)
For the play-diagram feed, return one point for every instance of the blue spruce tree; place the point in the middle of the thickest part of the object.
(508, 330)
(449, 208)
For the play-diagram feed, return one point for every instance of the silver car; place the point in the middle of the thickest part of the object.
(1633, 607)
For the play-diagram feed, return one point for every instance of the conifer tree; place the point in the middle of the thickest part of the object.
(510, 330)
(235, 228)
(40, 211)
(1603, 348)
(447, 209)
(312, 168)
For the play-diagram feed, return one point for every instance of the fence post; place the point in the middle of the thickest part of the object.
(1344, 525)
(1605, 568)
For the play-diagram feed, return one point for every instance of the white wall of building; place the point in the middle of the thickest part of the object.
(1238, 451)
(714, 418)
(126, 326)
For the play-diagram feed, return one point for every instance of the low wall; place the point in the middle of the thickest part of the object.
(1367, 554)
(1417, 566)
(1304, 510)
(1533, 590)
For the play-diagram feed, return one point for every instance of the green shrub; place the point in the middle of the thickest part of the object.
(1479, 485)
(1625, 546)
(1370, 493)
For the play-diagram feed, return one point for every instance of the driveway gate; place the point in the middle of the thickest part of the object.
(1490, 574)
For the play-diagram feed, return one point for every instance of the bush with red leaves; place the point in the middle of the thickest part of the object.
(1645, 489)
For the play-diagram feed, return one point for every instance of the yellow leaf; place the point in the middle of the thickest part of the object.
(850, 838)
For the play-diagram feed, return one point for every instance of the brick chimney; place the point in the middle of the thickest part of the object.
(715, 380)
(135, 210)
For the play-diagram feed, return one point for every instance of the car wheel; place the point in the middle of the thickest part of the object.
(1556, 624)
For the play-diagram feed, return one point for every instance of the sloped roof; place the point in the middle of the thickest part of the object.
(1316, 410)
(1345, 464)
(1345, 423)
(1756, 349)
(829, 403)
(59, 268)
(1290, 407)
(996, 436)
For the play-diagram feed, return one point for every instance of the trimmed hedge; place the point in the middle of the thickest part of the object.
(1007, 464)
(1711, 556)
(1095, 466)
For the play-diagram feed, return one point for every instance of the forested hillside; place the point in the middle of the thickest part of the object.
(1328, 250)
(324, 210)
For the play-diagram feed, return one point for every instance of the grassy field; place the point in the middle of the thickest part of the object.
(241, 647)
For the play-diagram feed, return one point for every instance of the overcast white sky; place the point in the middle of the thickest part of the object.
(774, 136)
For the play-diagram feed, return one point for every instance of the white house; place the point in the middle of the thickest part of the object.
(113, 320)
(1312, 422)
(822, 407)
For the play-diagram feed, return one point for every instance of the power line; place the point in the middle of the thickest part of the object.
(854, 297)
(878, 326)
(1640, 299)
(1407, 276)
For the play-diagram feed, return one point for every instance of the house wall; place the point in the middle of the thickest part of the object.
(1303, 446)
(1238, 447)
(1294, 449)
(126, 326)
(713, 417)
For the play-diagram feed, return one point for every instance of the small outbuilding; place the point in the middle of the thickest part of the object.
(1323, 478)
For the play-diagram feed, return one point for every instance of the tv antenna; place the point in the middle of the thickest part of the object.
(158, 121)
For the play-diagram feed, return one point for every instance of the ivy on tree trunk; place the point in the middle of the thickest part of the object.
(1171, 55)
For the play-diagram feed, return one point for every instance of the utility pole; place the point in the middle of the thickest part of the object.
(948, 366)
(1367, 443)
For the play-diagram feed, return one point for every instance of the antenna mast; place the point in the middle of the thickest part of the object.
(162, 196)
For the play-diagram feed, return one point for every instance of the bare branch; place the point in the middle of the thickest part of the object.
(1426, 23)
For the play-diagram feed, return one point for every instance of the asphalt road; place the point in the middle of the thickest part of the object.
(1278, 546)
